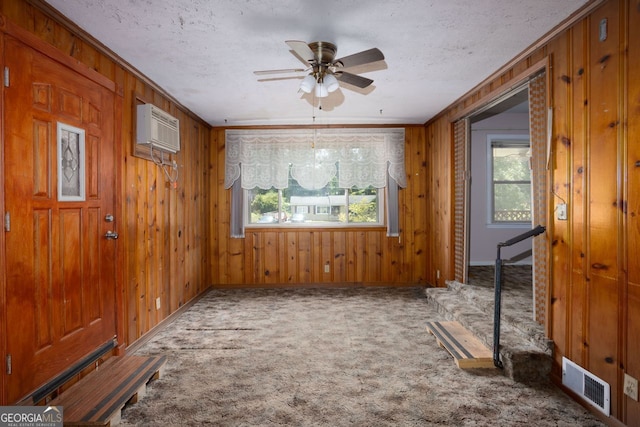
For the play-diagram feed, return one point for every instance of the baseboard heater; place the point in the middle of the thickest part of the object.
(586, 385)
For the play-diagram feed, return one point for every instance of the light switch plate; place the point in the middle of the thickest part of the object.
(561, 211)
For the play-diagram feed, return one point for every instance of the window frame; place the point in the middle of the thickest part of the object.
(517, 140)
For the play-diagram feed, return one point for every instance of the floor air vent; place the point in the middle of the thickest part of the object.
(586, 385)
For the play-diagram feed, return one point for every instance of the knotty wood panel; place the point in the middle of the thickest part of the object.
(603, 176)
(299, 256)
(577, 91)
(165, 236)
(632, 208)
(595, 276)
(560, 81)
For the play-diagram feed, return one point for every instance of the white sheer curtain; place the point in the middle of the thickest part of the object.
(360, 157)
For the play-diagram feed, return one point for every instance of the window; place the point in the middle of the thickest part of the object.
(313, 177)
(510, 180)
(328, 206)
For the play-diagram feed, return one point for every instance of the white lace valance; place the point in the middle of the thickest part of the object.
(359, 157)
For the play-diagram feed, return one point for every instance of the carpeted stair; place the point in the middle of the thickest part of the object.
(524, 350)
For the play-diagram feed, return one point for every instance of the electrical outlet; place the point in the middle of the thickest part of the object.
(561, 211)
(437, 274)
(158, 303)
(631, 387)
(326, 268)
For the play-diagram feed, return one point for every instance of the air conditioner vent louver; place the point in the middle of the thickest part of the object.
(157, 128)
(588, 386)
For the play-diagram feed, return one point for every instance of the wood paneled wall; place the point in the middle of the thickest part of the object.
(163, 245)
(595, 274)
(288, 257)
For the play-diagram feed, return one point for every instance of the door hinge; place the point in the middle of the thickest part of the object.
(7, 221)
(6, 76)
(8, 364)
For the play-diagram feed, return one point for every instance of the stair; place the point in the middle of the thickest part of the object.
(98, 398)
(466, 349)
(525, 352)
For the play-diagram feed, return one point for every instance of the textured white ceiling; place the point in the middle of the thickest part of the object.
(204, 52)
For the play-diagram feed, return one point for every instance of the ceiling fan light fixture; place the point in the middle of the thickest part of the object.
(331, 82)
(308, 83)
(321, 90)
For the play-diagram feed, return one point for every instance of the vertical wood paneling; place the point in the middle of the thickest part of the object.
(595, 92)
(560, 81)
(603, 178)
(632, 348)
(300, 255)
(577, 198)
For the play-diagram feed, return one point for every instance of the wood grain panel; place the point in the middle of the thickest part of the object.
(42, 161)
(353, 255)
(69, 105)
(603, 178)
(41, 96)
(92, 293)
(42, 229)
(92, 165)
(70, 232)
(577, 198)
(632, 209)
(559, 230)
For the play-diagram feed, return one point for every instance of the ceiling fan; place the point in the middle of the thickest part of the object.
(325, 72)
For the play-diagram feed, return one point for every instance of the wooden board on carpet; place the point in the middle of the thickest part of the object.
(98, 398)
(466, 349)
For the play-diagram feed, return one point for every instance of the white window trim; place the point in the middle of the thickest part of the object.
(490, 139)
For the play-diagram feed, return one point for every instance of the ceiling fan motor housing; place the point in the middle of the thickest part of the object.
(324, 52)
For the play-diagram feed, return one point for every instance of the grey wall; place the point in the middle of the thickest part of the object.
(483, 237)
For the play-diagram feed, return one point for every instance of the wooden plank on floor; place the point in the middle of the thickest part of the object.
(98, 398)
(467, 350)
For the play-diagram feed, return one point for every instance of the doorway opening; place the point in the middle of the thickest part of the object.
(500, 161)
(500, 198)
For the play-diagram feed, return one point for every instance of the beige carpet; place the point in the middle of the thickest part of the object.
(328, 357)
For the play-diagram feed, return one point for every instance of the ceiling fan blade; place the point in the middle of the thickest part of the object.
(273, 79)
(353, 79)
(285, 70)
(302, 49)
(364, 57)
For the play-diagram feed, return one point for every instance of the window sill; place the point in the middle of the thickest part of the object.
(515, 225)
(316, 227)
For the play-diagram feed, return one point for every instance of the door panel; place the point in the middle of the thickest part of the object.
(60, 267)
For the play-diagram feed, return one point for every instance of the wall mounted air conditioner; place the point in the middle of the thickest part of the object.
(157, 128)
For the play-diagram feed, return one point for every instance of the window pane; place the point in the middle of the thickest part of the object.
(511, 164)
(323, 207)
(263, 206)
(512, 202)
(363, 205)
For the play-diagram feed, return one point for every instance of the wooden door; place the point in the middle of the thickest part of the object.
(60, 267)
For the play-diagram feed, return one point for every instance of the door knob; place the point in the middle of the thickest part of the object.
(111, 235)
